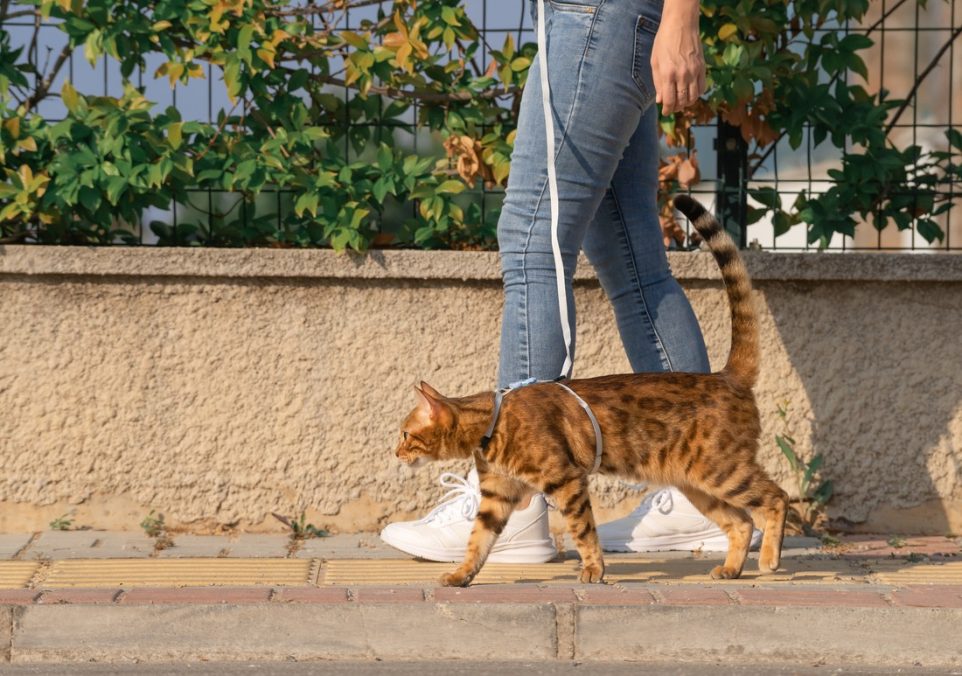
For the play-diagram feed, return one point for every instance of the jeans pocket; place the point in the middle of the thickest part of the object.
(584, 6)
(645, 30)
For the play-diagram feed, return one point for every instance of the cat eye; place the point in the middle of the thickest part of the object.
(404, 435)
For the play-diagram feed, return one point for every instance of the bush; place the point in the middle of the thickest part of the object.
(306, 165)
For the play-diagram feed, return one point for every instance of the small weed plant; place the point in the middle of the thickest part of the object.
(300, 529)
(155, 527)
(813, 491)
(62, 522)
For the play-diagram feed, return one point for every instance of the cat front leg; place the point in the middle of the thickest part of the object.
(499, 495)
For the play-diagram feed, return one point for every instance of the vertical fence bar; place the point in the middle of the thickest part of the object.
(732, 189)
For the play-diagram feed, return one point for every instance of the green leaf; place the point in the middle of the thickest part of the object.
(115, 188)
(380, 189)
(788, 451)
(810, 471)
(174, 135)
(930, 230)
(244, 37)
(307, 201)
(955, 138)
(823, 492)
(69, 96)
(385, 158)
(452, 187)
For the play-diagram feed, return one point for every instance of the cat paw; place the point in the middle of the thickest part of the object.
(724, 573)
(455, 579)
(767, 565)
(591, 574)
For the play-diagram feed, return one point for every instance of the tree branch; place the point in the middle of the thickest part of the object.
(323, 9)
(44, 87)
(429, 97)
(918, 81)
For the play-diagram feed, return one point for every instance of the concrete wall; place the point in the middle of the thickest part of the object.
(217, 386)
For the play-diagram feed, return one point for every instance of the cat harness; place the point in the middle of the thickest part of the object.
(499, 398)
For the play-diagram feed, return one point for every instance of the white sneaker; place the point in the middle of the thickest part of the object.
(664, 521)
(443, 534)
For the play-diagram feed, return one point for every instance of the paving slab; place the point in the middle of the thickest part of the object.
(252, 545)
(285, 631)
(729, 633)
(210, 546)
(89, 544)
(347, 546)
(11, 543)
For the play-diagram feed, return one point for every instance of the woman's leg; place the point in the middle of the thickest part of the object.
(596, 103)
(624, 244)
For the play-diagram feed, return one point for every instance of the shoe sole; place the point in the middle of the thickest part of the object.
(708, 541)
(526, 553)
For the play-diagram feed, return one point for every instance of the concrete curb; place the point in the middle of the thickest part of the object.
(189, 262)
(526, 622)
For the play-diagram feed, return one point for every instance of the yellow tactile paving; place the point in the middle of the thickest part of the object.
(17, 574)
(389, 572)
(899, 573)
(179, 572)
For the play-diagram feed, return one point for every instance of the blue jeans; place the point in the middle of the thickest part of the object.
(606, 150)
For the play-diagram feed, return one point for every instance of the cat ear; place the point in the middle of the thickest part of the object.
(433, 408)
(427, 389)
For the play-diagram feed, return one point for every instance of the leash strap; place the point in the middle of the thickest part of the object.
(499, 399)
(553, 190)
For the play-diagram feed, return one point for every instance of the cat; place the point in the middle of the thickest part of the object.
(696, 431)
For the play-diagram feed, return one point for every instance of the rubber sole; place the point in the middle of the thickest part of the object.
(706, 541)
(505, 553)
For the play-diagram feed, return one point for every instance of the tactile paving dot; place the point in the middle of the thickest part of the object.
(17, 574)
(179, 572)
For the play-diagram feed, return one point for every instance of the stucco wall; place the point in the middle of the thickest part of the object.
(217, 386)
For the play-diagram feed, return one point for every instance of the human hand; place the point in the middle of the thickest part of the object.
(677, 61)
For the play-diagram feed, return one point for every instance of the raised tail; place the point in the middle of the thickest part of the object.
(742, 366)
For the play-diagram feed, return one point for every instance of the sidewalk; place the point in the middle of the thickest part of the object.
(107, 596)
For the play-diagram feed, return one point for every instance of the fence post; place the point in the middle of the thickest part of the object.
(732, 196)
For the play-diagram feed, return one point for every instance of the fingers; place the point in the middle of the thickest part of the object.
(678, 82)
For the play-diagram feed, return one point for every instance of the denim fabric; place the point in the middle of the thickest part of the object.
(606, 153)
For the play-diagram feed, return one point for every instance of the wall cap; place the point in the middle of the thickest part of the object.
(265, 263)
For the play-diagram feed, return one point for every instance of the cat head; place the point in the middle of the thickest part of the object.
(427, 431)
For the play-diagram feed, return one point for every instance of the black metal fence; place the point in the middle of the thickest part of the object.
(908, 40)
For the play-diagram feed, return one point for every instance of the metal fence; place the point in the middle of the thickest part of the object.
(911, 41)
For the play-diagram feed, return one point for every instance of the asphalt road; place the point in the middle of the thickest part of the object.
(447, 668)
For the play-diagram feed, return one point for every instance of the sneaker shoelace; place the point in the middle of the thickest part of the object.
(460, 502)
(662, 501)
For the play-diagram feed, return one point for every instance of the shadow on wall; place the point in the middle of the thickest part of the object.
(881, 365)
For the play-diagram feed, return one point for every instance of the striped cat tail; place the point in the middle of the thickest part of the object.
(742, 366)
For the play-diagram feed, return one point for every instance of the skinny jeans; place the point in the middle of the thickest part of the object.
(606, 156)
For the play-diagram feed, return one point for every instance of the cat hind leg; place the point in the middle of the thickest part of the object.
(773, 502)
(734, 521)
(574, 501)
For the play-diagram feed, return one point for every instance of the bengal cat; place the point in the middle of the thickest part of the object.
(696, 431)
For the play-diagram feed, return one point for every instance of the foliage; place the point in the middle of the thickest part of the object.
(153, 524)
(813, 491)
(300, 529)
(779, 68)
(316, 149)
(62, 522)
(155, 527)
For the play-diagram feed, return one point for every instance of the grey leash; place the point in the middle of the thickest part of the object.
(499, 398)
